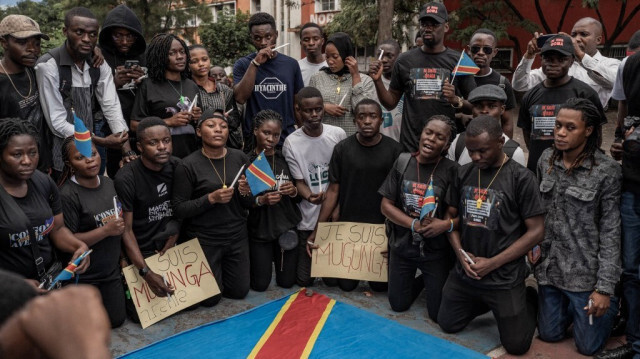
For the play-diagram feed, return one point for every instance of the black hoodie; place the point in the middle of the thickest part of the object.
(122, 17)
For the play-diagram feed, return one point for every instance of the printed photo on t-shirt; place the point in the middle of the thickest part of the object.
(543, 121)
(413, 196)
(427, 82)
(481, 207)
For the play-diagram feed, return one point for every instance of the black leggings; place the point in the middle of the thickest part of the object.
(350, 284)
(265, 253)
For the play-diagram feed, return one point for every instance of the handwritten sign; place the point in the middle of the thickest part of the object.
(350, 250)
(186, 269)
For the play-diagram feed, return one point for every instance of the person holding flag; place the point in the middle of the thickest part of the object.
(30, 200)
(275, 213)
(414, 202)
(89, 212)
(424, 76)
(204, 197)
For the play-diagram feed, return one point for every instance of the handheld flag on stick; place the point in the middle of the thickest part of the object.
(70, 271)
(259, 175)
(81, 136)
(465, 66)
(429, 201)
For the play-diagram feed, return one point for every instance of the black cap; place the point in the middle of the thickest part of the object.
(435, 11)
(559, 43)
(487, 92)
(211, 113)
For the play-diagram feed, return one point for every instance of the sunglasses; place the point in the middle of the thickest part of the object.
(486, 49)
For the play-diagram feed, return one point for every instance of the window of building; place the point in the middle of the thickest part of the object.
(327, 5)
(503, 61)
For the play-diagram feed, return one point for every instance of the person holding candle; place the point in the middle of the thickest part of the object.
(204, 196)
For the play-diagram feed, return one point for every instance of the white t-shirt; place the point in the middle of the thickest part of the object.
(391, 120)
(306, 156)
(308, 69)
(518, 154)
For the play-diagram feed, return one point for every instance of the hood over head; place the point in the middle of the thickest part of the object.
(122, 16)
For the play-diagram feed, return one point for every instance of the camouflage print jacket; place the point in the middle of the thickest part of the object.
(581, 246)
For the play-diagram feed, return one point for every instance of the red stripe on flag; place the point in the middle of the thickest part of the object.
(82, 136)
(261, 175)
(466, 70)
(290, 336)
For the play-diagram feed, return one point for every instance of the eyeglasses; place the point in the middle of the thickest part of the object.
(120, 37)
(429, 25)
(486, 49)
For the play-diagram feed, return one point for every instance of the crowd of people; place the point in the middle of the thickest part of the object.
(171, 130)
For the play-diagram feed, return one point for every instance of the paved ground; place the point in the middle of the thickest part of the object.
(481, 335)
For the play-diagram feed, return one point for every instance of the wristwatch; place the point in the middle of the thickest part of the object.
(602, 292)
(459, 104)
(143, 271)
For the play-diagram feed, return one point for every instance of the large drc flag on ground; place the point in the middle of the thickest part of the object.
(298, 326)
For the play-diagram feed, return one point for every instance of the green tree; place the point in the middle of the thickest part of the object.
(49, 14)
(228, 39)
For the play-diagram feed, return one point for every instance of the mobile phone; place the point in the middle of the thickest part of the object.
(131, 63)
(543, 38)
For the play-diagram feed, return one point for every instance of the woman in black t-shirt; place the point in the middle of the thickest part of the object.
(29, 205)
(414, 243)
(168, 93)
(275, 212)
(89, 205)
(213, 212)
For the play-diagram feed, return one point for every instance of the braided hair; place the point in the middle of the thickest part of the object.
(266, 115)
(65, 150)
(592, 118)
(13, 126)
(158, 56)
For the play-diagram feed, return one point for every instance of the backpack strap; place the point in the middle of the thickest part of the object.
(460, 145)
(403, 162)
(66, 80)
(510, 147)
(503, 81)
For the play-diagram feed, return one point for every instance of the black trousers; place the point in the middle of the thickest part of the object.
(402, 274)
(230, 266)
(113, 300)
(303, 270)
(515, 314)
(263, 254)
(350, 284)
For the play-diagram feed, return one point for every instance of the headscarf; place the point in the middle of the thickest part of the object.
(345, 48)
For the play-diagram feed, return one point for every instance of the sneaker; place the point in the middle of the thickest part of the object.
(623, 352)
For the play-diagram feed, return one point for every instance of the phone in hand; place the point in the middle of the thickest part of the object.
(131, 63)
(535, 253)
(543, 38)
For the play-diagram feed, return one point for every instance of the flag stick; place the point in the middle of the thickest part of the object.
(432, 214)
(237, 176)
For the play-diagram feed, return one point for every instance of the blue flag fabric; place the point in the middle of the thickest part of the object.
(82, 136)
(429, 200)
(465, 66)
(259, 175)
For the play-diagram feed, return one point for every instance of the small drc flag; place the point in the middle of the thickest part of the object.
(465, 66)
(259, 175)
(429, 201)
(81, 136)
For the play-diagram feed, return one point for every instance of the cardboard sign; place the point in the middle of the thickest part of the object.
(186, 269)
(350, 250)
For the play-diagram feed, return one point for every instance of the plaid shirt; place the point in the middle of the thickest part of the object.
(334, 88)
(581, 246)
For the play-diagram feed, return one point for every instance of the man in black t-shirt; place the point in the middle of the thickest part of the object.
(359, 164)
(423, 75)
(144, 189)
(20, 38)
(540, 105)
(482, 47)
(500, 218)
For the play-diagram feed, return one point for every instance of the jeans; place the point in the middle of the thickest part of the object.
(630, 215)
(559, 308)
